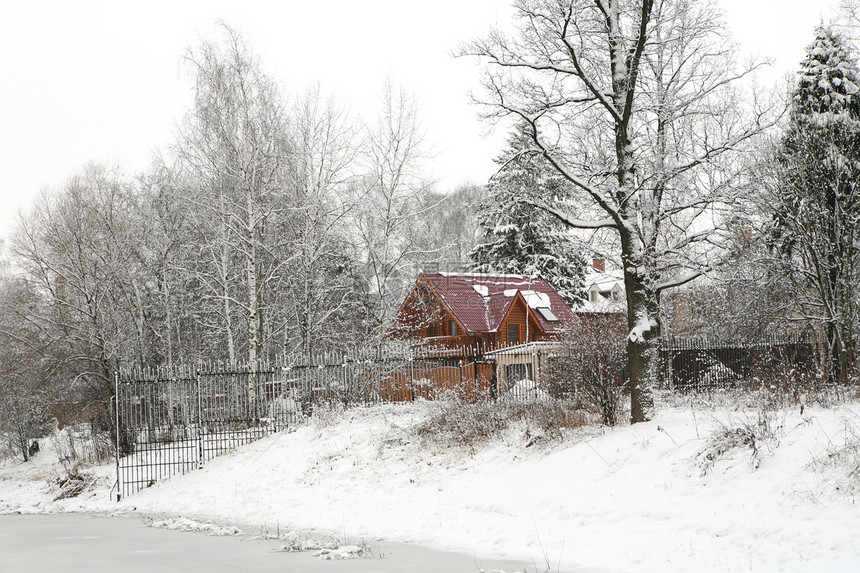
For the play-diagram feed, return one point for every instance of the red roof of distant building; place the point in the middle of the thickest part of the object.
(480, 301)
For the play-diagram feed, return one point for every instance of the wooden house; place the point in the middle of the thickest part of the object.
(461, 318)
(481, 310)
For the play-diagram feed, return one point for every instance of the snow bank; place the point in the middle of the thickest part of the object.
(630, 499)
(185, 524)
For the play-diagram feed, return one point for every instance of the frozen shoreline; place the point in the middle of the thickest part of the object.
(90, 543)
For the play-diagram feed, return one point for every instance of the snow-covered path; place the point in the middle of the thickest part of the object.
(627, 499)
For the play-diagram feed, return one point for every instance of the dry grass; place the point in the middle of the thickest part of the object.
(843, 456)
(470, 424)
(756, 435)
(74, 483)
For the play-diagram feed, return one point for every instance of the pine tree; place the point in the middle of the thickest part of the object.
(518, 238)
(817, 197)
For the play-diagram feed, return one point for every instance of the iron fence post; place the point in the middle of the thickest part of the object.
(200, 436)
(116, 441)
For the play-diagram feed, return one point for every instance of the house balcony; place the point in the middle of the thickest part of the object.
(459, 345)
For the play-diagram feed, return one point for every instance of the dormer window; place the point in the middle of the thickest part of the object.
(592, 296)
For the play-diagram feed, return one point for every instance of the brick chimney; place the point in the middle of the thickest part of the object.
(599, 265)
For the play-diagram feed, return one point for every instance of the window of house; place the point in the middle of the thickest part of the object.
(548, 314)
(513, 333)
(431, 330)
(452, 328)
(616, 296)
(592, 296)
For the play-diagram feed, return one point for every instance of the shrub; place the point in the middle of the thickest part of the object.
(589, 366)
(83, 444)
(753, 435)
(73, 483)
(843, 455)
(23, 418)
(468, 424)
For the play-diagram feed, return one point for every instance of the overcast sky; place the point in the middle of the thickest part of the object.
(102, 81)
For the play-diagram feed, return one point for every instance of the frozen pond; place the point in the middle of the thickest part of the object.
(80, 542)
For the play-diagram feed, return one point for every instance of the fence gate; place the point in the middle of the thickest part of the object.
(171, 421)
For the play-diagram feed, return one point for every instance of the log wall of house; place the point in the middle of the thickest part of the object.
(517, 315)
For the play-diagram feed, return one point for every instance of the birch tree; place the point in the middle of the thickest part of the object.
(167, 243)
(389, 200)
(635, 104)
(321, 293)
(234, 145)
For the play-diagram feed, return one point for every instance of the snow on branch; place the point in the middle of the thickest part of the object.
(566, 219)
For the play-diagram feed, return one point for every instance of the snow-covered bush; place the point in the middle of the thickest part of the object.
(24, 418)
(756, 435)
(73, 483)
(468, 424)
(327, 414)
(83, 444)
(326, 547)
(185, 524)
(589, 366)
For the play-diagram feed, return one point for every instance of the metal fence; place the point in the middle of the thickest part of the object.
(701, 364)
(172, 420)
(169, 421)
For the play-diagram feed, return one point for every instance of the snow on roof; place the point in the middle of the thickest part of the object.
(464, 295)
(606, 285)
(537, 299)
(604, 305)
(605, 280)
(487, 275)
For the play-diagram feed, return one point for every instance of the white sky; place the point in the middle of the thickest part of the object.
(101, 80)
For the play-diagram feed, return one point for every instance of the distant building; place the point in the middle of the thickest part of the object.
(604, 289)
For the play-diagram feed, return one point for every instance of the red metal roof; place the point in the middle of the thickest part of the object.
(480, 302)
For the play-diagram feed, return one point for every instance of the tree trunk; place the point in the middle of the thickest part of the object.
(643, 343)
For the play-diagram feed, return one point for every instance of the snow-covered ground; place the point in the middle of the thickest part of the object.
(719, 489)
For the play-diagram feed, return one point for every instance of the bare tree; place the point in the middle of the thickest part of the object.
(634, 102)
(234, 145)
(78, 246)
(321, 293)
(588, 365)
(166, 242)
(25, 379)
(450, 225)
(390, 200)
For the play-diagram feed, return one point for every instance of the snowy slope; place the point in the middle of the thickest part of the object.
(635, 498)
